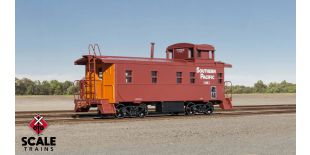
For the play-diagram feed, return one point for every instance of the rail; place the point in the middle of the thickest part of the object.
(69, 116)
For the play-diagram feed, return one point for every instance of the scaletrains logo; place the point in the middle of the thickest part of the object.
(38, 125)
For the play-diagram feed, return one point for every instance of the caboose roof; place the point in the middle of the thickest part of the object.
(118, 59)
(204, 47)
(122, 59)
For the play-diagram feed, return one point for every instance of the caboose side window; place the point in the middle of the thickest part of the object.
(154, 76)
(179, 77)
(192, 77)
(128, 75)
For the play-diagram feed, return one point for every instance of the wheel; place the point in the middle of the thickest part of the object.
(120, 111)
(141, 114)
(142, 111)
(189, 109)
(209, 109)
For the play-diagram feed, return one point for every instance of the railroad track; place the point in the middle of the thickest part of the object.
(69, 116)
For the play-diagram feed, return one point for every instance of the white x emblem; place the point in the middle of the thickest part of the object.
(38, 120)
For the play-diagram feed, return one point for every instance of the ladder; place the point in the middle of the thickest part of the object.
(90, 81)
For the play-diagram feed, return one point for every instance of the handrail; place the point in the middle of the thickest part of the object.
(78, 94)
(96, 45)
(92, 49)
(81, 94)
(92, 54)
(228, 84)
(90, 46)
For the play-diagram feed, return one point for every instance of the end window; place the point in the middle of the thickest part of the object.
(128, 75)
(210, 54)
(190, 53)
(213, 92)
(100, 74)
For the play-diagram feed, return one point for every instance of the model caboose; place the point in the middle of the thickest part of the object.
(188, 81)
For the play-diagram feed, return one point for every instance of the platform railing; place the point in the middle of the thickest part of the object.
(77, 95)
(228, 89)
(84, 92)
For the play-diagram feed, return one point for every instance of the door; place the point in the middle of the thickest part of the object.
(213, 92)
(109, 83)
(105, 82)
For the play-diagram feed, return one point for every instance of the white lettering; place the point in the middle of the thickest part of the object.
(206, 77)
(209, 71)
(206, 82)
(206, 74)
(180, 50)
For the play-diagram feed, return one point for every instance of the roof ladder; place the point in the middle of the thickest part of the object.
(91, 75)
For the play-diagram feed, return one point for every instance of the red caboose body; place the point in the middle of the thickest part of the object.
(188, 80)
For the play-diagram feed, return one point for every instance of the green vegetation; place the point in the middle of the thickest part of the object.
(26, 86)
(260, 87)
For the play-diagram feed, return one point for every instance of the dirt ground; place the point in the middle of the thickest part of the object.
(36, 103)
(248, 135)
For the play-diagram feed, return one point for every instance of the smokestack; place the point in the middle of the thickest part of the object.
(152, 50)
